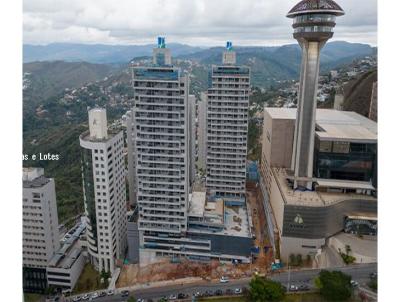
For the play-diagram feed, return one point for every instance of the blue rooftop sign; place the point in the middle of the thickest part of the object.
(161, 42)
(229, 45)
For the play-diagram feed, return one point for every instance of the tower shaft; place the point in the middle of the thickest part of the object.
(303, 147)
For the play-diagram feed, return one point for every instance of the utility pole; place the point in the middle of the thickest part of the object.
(288, 286)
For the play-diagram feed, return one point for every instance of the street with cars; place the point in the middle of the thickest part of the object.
(299, 280)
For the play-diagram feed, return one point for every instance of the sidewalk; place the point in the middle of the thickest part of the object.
(160, 284)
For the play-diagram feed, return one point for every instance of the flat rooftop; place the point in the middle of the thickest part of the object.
(110, 134)
(66, 256)
(36, 182)
(232, 219)
(236, 221)
(316, 198)
(335, 124)
(197, 203)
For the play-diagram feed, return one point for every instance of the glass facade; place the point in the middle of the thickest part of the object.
(34, 279)
(87, 172)
(310, 29)
(345, 160)
(314, 18)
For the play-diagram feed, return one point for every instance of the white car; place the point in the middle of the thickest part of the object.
(354, 283)
(95, 295)
(110, 292)
(172, 297)
(224, 280)
(293, 288)
(238, 291)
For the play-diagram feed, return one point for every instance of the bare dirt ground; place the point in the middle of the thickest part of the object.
(133, 274)
(254, 200)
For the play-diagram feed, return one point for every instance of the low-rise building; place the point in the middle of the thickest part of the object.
(65, 267)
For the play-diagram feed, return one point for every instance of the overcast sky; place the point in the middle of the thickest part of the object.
(194, 22)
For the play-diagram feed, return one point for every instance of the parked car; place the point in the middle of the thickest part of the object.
(354, 283)
(172, 297)
(238, 291)
(102, 294)
(182, 296)
(218, 292)
(95, 295)
(228, 292)
(224, 279)
(293, 288)
(85, 297)
(110, 292)
(124, 293)
(304, 287)
(373, 275)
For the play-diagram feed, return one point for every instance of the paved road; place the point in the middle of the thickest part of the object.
(359, 273)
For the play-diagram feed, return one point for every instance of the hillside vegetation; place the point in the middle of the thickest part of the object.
(357, 93)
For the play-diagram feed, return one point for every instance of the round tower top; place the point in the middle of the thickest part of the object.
(315, 7)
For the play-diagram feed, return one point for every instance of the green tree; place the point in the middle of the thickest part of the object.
(262, 289)
(292, 259)
(88, 283)
(334, 286)
(299, 259)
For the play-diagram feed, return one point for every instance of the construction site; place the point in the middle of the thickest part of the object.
(262, 256)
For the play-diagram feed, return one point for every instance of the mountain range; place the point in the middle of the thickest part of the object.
(268, 64)
(100, 53)
(96, 53)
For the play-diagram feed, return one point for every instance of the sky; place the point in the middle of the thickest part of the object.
(193, 22)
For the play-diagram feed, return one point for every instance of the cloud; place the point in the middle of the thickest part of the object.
(196, 22)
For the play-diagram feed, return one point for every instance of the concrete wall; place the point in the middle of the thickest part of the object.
(291, 245)
(277, 140)
(66, 278)
(360, 257)
(277, 202)
(133, 242)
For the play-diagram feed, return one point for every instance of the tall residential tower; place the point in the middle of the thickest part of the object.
(313, 22)
(162, 147)
(103, 173)
(227, 122)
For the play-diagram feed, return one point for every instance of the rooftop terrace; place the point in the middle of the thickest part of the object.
(318, 198)
(335, 125)
(231, 220)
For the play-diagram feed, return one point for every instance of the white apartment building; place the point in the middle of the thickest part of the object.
(227, 123)
(40, 237)
(192, 140)
(202, 132)
(162, 148)
(130, 142)
(103, 173)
